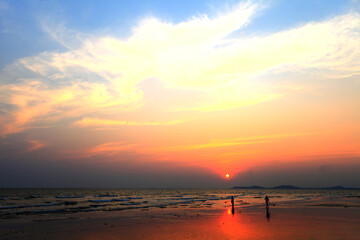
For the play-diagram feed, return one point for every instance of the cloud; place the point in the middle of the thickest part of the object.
(101, 75)
(217, 143)
(108, 150)
(225, 143)
(37, 103)
(95, 122)
(111, 148)
(35, 144)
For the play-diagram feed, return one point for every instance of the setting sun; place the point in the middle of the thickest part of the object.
(227, 175)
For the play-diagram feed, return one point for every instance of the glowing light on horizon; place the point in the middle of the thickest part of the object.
(227, 175)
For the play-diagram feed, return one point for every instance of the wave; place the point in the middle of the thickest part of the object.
(30, 206)
(63, 197)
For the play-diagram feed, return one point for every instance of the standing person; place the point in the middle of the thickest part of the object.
(267, 200)
(232, 205)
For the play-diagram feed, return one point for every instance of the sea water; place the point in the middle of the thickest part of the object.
(23, 202)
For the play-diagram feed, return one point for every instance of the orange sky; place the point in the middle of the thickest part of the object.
(192, 94)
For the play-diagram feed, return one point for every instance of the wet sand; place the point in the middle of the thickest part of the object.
(176, 223)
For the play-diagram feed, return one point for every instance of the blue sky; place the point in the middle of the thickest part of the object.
(22, 33)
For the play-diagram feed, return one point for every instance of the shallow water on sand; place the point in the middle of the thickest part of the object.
(177, 223)
(22, 202)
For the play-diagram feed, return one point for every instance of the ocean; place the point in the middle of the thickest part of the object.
(17, 203)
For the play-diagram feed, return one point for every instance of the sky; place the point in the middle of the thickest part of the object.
(177, 94)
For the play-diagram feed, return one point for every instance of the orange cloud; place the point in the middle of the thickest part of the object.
(108, 149)
(96, 122)
(33, 103)
(111, 148)
(216, 143)
(34, 145)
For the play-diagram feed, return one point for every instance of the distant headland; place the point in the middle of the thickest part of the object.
(295, 187)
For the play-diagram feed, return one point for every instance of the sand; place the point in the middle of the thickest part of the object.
(314, 222)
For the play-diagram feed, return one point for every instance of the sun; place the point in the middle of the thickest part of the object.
(227, 175)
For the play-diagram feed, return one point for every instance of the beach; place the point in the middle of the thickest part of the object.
(331, 216)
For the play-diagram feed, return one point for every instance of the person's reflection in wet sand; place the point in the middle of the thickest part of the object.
(267, 213)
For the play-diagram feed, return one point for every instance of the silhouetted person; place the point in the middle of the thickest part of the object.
(267, 213)
(267, 200)
(232, 205)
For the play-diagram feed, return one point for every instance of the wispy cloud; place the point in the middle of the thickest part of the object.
(111, 148)
(34, 145)
(108, 149)
(96, 122)
(213, 145)
(32, 103)
(217, 143)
